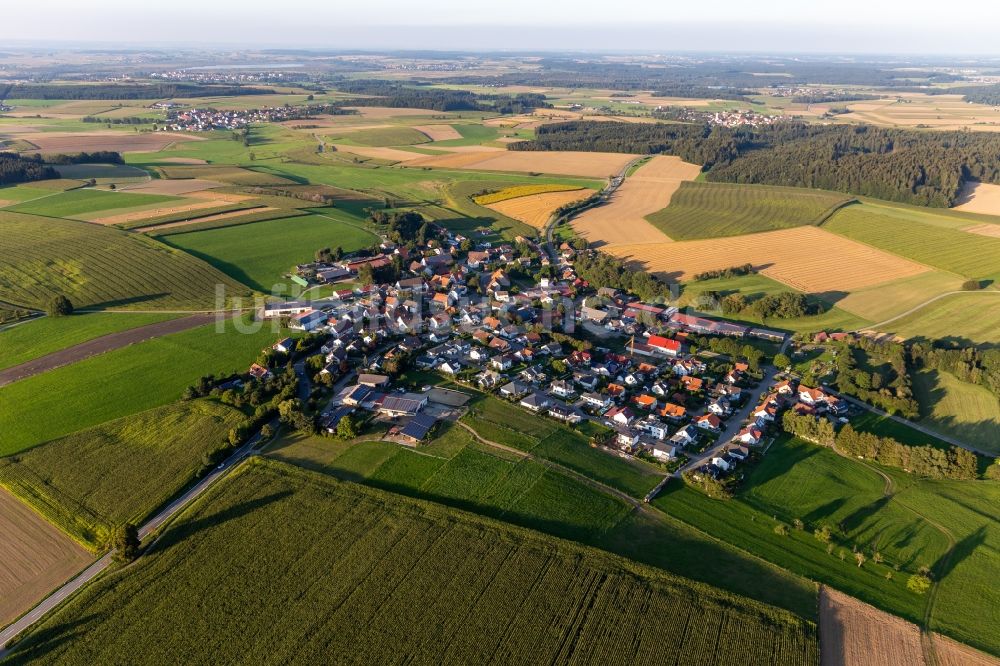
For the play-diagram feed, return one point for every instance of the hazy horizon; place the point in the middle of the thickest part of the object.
(782, 27)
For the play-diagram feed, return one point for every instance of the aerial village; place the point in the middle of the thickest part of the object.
(513, 320)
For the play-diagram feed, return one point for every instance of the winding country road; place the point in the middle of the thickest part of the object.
(101, 345)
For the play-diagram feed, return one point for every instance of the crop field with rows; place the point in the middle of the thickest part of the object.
(365, 576)
(519, 191)
(99, 267)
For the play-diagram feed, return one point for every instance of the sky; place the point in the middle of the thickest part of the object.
(772, 26)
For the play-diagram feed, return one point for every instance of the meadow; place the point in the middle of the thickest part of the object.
(967, 318)
(122, 382)
(896, 515)
(708, 210)
(382, 136)
(261, 253)
(968, 255)
(120, 471)
(454, 469)
(365, 575)
(37, 338)
(80, 202)
(99, 267)
(965, 411)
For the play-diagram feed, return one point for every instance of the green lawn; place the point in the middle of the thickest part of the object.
(122, 382)
(79, 202)
(965, 411)
(39, 337)
(367, 576)
(969, 255)
(119, 471)
(708, 210)
(261, 253)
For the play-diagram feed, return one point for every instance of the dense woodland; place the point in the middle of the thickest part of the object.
(913, 167)
(16, 169)
(826, 98)
(395, 95)
(703, 92)
(602, 270)
(121, 91)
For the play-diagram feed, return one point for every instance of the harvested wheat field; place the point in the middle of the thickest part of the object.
(953, 653)
(941, 112)
(182, 160)
(378, 112)
(985, 229)
(173, 187)
(566, 163)
(122, 142)
(379, 153)
(536, 209)
(981, 198)
(35, 558)
(136, 215)
(208, 218)
(806, 258)
(438, 132)
(623, 218)
(221, 197)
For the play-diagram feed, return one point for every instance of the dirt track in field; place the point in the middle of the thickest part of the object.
(35, 557)
(101, 345)
(623, 218)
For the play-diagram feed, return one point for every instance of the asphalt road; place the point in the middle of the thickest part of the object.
(100, 345)
(94, 570)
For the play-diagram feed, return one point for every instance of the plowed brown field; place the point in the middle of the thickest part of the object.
(35, 557)
(122, 142)
(622, 219)
(806, 258)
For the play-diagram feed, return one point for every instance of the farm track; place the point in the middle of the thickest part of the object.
(919, 307)
(100, 345)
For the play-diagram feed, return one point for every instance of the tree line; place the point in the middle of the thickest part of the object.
(396, 95)
(130, 120)
(122, 91)
(17, 169)
(922, 168)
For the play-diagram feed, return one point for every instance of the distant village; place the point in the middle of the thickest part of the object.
(206, 120)
(738, 118)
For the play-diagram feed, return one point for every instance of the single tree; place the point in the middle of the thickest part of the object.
(60, 306)
(782, 361)
(125, 543)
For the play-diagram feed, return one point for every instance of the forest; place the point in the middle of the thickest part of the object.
(16, 169)
(921, 168)
(395, 95)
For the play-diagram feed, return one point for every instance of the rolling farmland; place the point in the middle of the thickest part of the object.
(34, 557)
(807, 258)
(261, 253)
(968, 255)
(535, 210)
(99, 267)
(76, 203)
(709, 210)
(397, 579)
(972, 316)
(623, 218)
(965, 411)
(119, 471)
(517, 191)
(568, 163)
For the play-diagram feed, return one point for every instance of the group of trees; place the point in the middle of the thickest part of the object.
(887, 385)
(96, 157)
(17, 169)
(970, 364)
(783, 305)
(130, 120)
(602, 270)
(732, 271)
(809, 428)
(928, 461)
(923, 168)
(404, 227)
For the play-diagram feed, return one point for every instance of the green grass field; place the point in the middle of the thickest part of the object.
(381, 136)
(708, 210)
(368, 576)
(261, 253)
(121, 382)
(23, 192)
(119, 471)
(952, 407)
(910, 529)
(39, 337)
(80, 202)
(972, 318)
(968, 255)
(453, 469)
(99, 267)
